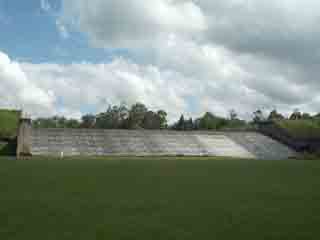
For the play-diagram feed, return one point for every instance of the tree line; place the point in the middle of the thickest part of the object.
(138, 116)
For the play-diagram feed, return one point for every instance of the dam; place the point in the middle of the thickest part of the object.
(101, 142)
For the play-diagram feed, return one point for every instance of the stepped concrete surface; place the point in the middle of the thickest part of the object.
(96, 142)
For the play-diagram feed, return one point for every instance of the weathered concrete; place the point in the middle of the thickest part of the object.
(94, 142)
(24, 138)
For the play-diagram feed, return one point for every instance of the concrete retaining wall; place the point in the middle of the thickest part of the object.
(97, 142)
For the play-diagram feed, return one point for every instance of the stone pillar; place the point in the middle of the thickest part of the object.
(24, 137)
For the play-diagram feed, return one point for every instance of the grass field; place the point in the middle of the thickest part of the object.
(167, 199)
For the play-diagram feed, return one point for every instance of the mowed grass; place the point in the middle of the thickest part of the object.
(159, 199)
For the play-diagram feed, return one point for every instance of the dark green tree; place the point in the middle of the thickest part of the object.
(151, 120)
(233, 115)
(136, 116)
(180, 125)
(189, 126)
(113, 118)
(88, 121)
(296, 115)
(306, 116)
(258, 116)
(72, 123)
(274, 115)
(163, 119)
(210, 122)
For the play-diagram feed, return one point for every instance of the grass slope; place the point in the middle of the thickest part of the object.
(168, 199)
(306, 129)
(9, 122)
(8, 148)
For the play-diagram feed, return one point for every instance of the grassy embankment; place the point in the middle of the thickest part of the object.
(305, 129)
(137, 198)
(9, 122)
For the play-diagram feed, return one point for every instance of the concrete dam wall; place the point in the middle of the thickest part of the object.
(96, 142)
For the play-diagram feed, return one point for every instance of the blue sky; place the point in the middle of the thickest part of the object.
(70, 57)
(32, 34)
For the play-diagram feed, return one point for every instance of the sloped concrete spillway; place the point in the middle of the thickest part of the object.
(71, 142)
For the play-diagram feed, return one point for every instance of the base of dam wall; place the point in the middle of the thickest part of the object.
(96, 142)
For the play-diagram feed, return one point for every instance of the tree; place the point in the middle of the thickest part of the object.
(189, 125)
(258, 116)
(151, 120)
(123, 113)
(274, 115)
(88, 121)
(60, 122)
(180, 125)
(196, 124)
(136, 116)
(233, 115)
(306, 116)
(163, 119)
(53, 122)
(296, 115)
(72, 123)
(206, 122)
(113, 118)
(211, 122)
(44, 123)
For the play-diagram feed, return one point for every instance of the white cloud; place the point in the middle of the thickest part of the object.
(189, 57)
(240, 54)
(129, 23)
(17, 91)
(92, 86)
(225, 82)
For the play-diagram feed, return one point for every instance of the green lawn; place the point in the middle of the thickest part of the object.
(168, 199)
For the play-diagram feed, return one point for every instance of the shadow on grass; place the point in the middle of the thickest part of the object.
(8, 148)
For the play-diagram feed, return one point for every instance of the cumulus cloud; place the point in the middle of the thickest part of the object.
(184, 56)
(225, 82)
(87, 86)
(238, 53)
(282, 29)
(125, 23)
(16, 90)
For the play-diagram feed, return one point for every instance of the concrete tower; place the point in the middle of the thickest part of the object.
(24, 136)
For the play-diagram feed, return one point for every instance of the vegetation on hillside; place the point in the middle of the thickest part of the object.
(301, 128)
(138, 116)
(9, 122)
(298, 125)
(209, 121)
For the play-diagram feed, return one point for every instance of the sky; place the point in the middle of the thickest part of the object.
(72, 57)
